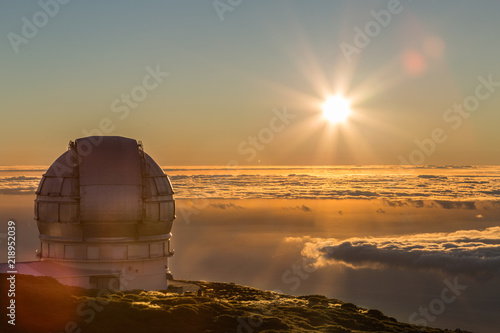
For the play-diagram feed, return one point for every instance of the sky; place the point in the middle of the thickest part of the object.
(242, 82)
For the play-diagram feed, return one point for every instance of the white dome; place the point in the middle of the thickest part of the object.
(104, 189)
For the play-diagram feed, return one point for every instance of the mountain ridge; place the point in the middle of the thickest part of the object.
(45, 305)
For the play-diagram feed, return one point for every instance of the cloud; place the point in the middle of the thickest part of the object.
(492, 192)
(404, 203)
(445, 186)
(474, 253)
(21, 168)
(18, 179)
(303, 208)
(11, 191)
(433, 177)
(19, 185)
(389, 183)
(226, 206)
(446, 204)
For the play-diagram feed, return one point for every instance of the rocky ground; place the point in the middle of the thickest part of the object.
(44, 305)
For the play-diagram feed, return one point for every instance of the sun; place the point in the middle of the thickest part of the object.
(336, 109)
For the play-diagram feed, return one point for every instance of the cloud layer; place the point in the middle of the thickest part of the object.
(440, 187)
(471, 252)
(19, 184)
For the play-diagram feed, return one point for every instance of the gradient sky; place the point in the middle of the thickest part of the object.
(226, 77)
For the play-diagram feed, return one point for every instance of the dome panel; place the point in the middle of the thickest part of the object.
(154, 168)
(111, 203)
(114, 161)
(51, 186)
(163, 186)
(70, 187)
(64, 166)
(68, 213)
(110, 180)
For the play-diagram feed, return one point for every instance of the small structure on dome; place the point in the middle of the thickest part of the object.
(105, 211)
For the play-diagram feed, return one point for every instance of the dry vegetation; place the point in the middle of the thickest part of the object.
(44, 305)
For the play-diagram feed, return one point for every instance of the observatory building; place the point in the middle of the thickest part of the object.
(104, 210)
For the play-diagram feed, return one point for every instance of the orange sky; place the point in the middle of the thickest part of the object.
(199, 88)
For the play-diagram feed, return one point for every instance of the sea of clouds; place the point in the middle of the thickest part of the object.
(475, 253)
(445, 185)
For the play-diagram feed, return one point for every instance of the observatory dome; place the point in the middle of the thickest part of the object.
(105, 205)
